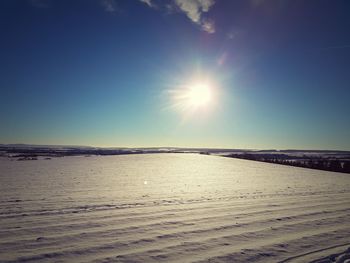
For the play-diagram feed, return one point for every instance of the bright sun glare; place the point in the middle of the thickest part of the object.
(198, 94)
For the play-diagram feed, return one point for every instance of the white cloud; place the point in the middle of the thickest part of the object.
(109, 5)
(194, 10)
(148, 2)
(208, 25)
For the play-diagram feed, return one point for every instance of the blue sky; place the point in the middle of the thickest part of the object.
(102, 73)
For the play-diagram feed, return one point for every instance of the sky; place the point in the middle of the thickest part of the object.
(117, 73)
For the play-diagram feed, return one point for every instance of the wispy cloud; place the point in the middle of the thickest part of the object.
(148, 2)
(194, 10)
(208, 25)
(109, 5)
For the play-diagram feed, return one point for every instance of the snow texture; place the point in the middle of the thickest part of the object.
(170, 208)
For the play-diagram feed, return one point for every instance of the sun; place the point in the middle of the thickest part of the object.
(199, 94)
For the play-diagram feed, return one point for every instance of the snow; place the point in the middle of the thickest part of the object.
(170, 208)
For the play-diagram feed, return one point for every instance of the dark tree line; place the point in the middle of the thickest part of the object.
(334, 165)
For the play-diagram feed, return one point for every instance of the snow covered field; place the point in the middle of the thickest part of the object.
(170, 208)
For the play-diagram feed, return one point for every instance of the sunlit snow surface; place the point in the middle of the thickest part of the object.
(170, 208)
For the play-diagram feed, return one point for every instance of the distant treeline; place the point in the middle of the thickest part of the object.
(27, 153)
(319, 163)
(71, 152)
(337, 161)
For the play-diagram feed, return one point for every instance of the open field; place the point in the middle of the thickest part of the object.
(170, 208)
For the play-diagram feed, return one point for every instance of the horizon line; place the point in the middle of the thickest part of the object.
(169, 147)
